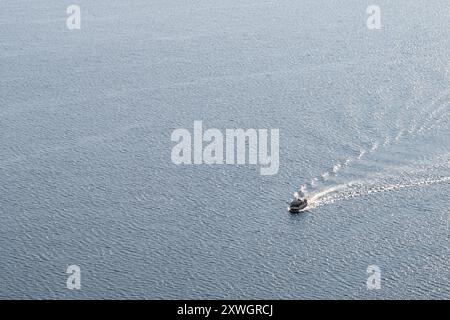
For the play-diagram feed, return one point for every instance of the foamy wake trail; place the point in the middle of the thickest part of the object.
(437, 120)
(340, 166)
(399, 135)
(429, 112)
(361, 189)
(433, 116)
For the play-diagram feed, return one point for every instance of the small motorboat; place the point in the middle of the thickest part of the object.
(297, 205)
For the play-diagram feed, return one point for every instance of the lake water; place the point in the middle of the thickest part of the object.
(86, 176)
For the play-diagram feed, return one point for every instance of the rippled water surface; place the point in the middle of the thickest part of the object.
(86, 175)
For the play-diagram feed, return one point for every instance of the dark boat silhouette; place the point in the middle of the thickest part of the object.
(297, 205)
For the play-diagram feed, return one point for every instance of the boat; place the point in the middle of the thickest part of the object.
(297, 205)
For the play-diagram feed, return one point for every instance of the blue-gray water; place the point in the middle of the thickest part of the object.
(86, 176)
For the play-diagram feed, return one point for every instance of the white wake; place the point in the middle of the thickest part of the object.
(357, 189)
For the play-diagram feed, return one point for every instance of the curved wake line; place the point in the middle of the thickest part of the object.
(432, 120)
(357, 189)
(428, 112)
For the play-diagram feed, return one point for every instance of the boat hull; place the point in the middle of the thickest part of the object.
(298, 209)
